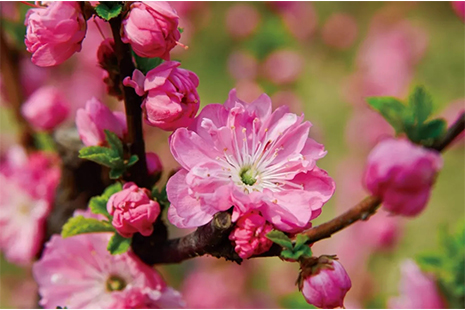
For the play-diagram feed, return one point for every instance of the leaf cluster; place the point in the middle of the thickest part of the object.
(411, 118)
(291, 251)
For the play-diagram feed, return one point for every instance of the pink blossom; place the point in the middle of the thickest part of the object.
(249, 235)
(95, 118)
(300, 18)
(402, 174)
(133, 211)
(151, 27)
(26, 197)
(327, 285)
(242, 65)
(340, 31)
(459, 8)
(246, 156)
(45, 108)
(172, 100)
(242, 20)
(283, 66)
(418, 290)
(54, 33)
(78, 272)
(154, 165)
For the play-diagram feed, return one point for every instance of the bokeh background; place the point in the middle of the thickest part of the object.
(321, 59)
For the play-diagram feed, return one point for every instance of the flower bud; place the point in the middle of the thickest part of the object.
(249, 235)
(95, 118)
(154, 165)
(324, 282)
(133, 211)
(108, 61)
(54, 33)
(172, 100)
(151, 27)
(45, 108)
(402, 175)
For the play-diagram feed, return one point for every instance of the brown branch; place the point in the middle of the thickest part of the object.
(211, 240)
(132, 105)
(9, 64)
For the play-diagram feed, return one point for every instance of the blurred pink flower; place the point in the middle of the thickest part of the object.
(95, 118)
(242, 20)
(26, 197)
(249, 235)
(402, 174)
(54, 33)
(32, 77)
(244, 155)
(242, 65)
(151, 27)
(80, 273)
(340, 31)
(248, 90)
(154, 165)
(459, 8)
(289, 98)
(283, 66)
(418, 290)
(327, 286)
(299, 18)
(46, 108)
(133, 211)
(172, 100)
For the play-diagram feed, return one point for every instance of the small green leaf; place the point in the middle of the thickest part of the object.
(393, 111)
(112, 189)
(304, 251)
(118, 244)
(108, 10)
(280, 238)
(101, 155)
(181, 30)
(114, 142)
(98, 205)
(116, 173)
(300, 241)
(82, 225)
(420, 104)
(132, 160)
(433, 129)
(146, 64)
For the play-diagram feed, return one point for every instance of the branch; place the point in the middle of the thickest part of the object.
(212, 238)
(132, 105)
(9, 63)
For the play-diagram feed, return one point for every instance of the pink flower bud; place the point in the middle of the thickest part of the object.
(459, 8)
(172, 100)
(418, 290)
(154, 165)
(45, 109)
(151, 27)
(133, 211)
(402, 174)
(106, 54)
(54, 33)
(325, 284)
(249, 235)
(95, 118)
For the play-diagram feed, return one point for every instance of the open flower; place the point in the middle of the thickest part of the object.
(80, 273)
(243, 155)
(151, 27)
(402, 174)
(54, 33)
(133, 210)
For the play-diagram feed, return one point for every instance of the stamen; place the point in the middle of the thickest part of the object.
(182, 45)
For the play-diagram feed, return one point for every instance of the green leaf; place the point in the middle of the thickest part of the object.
(82, 225)
(116, 173)
(114, 142)
(393, 111)
(146, 64)
(112, 189)
(108, 10)
(433, 129)
(98, 205)
(280, 238)
(302, 251)
(101, 155)
(300, 241)
(132, 160)
(118, 244)
(420, 104)
(181, 30)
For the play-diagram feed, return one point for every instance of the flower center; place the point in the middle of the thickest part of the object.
(248, 176)
(115, 283)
